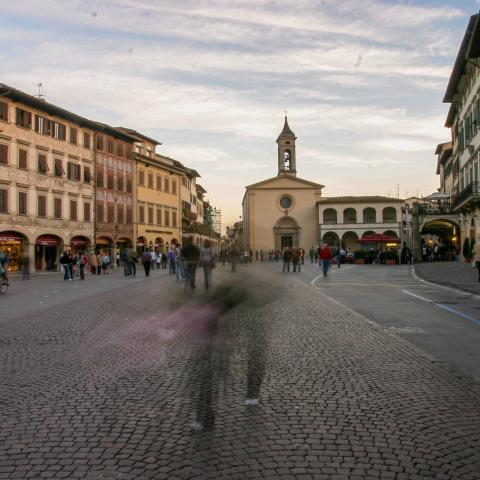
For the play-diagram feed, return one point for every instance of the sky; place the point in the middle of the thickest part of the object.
(362, 82)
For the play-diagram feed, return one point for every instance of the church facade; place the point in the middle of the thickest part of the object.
(282, 211)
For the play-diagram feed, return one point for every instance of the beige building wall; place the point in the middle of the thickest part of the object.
(24, 144)
(265, 213)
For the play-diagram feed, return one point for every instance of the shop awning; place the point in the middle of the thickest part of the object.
(10, 237)
(104, 241)
(79, 242)
(47, 241)
(378, 238)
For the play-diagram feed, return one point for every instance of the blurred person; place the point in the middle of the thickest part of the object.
(190, 255)
(287, 258)
(93, 263)
(105, 260)
(146, 261)
(4, 261)
(99, 264)
(296, 257)
(66, 261)
(476, 257)
(325, 256)
(207, 262)
(25, 265)
(132, 260)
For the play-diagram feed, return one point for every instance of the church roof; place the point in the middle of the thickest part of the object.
(286, 132)
(285, 175)
(359, 199)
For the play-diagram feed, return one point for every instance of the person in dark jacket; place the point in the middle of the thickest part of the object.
(66, 261)
(190, 255)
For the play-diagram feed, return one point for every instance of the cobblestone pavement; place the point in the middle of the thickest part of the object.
(451, 274)
(150, 382)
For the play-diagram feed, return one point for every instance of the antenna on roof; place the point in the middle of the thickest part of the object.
(40, 95)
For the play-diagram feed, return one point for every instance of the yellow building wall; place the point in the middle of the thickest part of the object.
(160, 200)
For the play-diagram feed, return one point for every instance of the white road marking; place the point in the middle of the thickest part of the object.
(444, 307)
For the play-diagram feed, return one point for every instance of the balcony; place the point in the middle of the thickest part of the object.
(470, 193)
(443, 209)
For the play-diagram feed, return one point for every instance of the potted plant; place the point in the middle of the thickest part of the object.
(467, 250)
(391, 257)
(359, 256)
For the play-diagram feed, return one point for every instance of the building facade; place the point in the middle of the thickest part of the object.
(46, 180)
(281, 211)
(344, 220)
(114, 193)
(463, 119)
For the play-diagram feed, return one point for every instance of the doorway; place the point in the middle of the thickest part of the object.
(286, 241)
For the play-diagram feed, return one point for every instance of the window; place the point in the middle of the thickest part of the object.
(174, 218)
(73, 135)
(167, 218)
(99, 142)
(59, 130)
(86, 212)
(120, 214)
(100, 211)
(42, 206)
(73, 210)
(23, 118)
(3, 200)
(369, 215)
(22, 203)
(42, 164)
(389, 215)
(330, 216)
(59, 171)
(141, 177)
(129, 216)
(87, 176)
(57, 208)
(141, 214)
(174, 187)
(3, 111)
(110, 180)
(99, 178)
(150, 180)
(166, 185)
(74, 171)
(110, 213)
(150, 215)
(42, 125)
(119, 149)
(3, 154)
(159, 182)
(129, 185)
(110, 146)
(159, 216)
(120, 182)
(22, 159)
(86, 140)
(129, 152)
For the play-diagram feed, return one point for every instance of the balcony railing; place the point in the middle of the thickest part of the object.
(469, 192)
(444, 209)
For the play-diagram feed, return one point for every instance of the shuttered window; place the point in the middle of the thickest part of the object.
(119, 149)
(100, 211)
(57, 207)
(22, 159)
(73, 171)
(120, 182)
(119, 214)
(86, 140)
(110, 146)
(42, 164)
(167, 218)
(150, 215)
(87, 175)
(3, 154)
(141, 214)
(22, 203)
(141, 177)
(99, 142)
(129, 185)
(73, 210)
(86, 212)
(159, 216)
(174, 187)
(150, 180)
(73, 135)
(174, 218)
(4, 111)
(110, 213)
(110, 180)
(42, 206)
(23, 118)
(159, 182)
(166, 185)
(129, 216)
(3, 200)
(59, 171)
(99, 178)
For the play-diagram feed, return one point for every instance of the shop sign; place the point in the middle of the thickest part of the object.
(159, 231)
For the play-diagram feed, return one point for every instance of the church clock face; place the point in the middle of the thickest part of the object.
(285, 202)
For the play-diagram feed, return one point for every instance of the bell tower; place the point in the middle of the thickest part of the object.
(286, 151)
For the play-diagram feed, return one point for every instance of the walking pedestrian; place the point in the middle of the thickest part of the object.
(146, 260)
(287, 258)
(105, 263)
(82, 261)
(99, 264)
(132, 259)
(325, 256)
(296, 257)
(179, 273)
(66, 261)
(4, 260)
(190, 255)
(158, 260)
(153, 259)
(93, 263)
(476, 257)
(341, 257)
(207, 263)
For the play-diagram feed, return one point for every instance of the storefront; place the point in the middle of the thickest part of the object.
(142, 245)
(48, 249)
(14, 245)
(106, 245)
(79, 245)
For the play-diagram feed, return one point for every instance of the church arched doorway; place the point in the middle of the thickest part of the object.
(287, 233)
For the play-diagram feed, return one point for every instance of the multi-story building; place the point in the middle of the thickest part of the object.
(46, 180)
(463, 119)
(157, 196)
(114, 198)
(344, 220)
